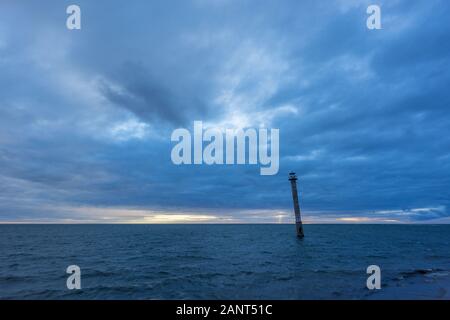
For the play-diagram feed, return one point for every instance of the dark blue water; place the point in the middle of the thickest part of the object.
(215, 261)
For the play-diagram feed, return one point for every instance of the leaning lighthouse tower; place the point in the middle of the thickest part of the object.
(298, 219)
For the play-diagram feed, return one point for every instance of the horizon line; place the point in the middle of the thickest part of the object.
(215, 223)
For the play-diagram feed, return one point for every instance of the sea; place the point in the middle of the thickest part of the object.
(233, 261)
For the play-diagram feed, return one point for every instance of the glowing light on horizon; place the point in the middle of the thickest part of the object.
(179, 218)
(364, 219)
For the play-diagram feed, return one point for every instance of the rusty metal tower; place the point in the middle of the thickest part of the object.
(298, 219)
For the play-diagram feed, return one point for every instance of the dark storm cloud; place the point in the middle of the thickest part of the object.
(86, 116)
(152, 101)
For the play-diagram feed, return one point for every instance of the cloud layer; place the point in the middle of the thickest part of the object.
(86, 116)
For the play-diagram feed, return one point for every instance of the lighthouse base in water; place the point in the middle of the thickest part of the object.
(299, 227)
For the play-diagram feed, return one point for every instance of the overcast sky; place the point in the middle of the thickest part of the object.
(86, 115)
